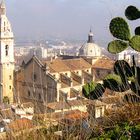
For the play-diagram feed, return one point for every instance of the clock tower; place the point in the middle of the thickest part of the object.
(6, 57)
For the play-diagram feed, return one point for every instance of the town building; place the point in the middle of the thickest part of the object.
(6, 56)
(57, 80)
(128, 54)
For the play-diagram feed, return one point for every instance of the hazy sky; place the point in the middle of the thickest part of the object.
(40, 19)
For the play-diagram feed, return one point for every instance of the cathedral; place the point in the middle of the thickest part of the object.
(6, 57)
(90, 49)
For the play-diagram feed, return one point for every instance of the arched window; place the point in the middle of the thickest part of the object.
(6, 50)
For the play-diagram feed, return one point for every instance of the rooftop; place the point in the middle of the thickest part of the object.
(104, 63)
(58, 65)
(67, 105)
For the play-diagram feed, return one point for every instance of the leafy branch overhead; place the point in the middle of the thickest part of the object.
(119, 28)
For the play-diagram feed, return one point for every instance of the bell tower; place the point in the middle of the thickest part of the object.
(6, 56)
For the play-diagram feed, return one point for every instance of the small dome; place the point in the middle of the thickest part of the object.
(90, 49)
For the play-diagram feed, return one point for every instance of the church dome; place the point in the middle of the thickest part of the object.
(90, 49)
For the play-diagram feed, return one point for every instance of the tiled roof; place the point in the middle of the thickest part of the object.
(27, 105)
(72, 103)
(57, 66)
(68, 65)
(77, 114)
(66, 105)
(77, 64)
(104, 63)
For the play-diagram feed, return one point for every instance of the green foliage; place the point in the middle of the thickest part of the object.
(132, 13)
(117, 46)
(125, 77)
(121, 132)
(135, 43)
(120, 29)
(114, 82)
(123, 69)
(88, 88)
(97, 92)
(130, 77)
(114, 77)
(120, 80)
(93, 90)
(137, 31)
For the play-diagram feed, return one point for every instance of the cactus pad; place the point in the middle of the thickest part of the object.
(122, 68)
(93, 90)
(120, 29)
(132, 13)
(112, 82)
(137, 31)
(135, 43)
(117, 46)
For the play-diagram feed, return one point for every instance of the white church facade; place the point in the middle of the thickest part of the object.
(6, 56)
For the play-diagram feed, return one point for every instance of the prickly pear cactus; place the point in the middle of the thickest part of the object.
(137, 31)
(114, 82)
(93, 90)
(120, 29)
(135, 43)
(123, 69)
(125, 77)
(132, 13)
(117, 46)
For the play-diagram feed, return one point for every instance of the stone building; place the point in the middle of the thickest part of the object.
(6, 56)
(33, 83)
(51, 81)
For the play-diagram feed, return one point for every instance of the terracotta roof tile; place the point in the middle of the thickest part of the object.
(66, 105)
(69, 104)
(68, 65)
(104, 63)
(57, 66)
(77, 114)
(76, 64)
